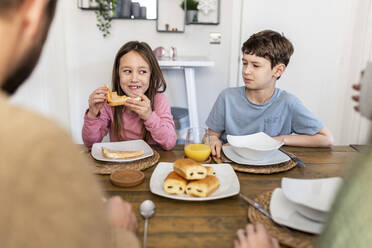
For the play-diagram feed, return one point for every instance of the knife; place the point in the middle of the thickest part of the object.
(264, 212)
(294, 158)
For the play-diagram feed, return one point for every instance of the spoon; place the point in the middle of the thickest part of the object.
(147, 209)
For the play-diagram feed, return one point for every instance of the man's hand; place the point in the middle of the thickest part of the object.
(120, 214)
(255, 236)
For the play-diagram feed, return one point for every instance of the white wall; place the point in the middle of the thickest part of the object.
(328, 38)
(46, 91)
(331, 40)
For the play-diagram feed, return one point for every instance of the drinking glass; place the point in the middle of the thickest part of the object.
(197, 144)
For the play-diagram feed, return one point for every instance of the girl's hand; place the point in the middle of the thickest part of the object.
(96, 101)
(142, 108)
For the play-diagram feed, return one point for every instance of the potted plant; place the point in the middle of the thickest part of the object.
(105, 11)
(192, 10)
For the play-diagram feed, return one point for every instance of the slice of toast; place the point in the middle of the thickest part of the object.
(114, 154)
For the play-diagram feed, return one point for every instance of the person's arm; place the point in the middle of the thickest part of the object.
(160, 124)
(216, 143)
(323, 138)
(216, 121)
(94, 129)
(78, 210)
(307, 130)
(123, 222)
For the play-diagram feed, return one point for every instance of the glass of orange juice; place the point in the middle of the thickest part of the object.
(197, 144)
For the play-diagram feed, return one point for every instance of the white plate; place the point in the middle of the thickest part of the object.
(275, 158)
(229, 183)
(255, 146)
(284, 212)
(131, 145)
(310, 213)
(317, 194)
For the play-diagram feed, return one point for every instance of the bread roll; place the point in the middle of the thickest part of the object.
(109, 153)
(210, 171)
(189, 169)
(174, 184)
(114, 100)
(203, 187)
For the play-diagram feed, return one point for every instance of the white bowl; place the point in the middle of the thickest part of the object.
(316, 194)
(254, 146)
(310, 213)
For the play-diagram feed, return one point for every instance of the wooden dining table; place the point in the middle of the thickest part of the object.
(178, 223)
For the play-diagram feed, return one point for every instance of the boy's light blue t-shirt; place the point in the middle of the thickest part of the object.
(283, 114)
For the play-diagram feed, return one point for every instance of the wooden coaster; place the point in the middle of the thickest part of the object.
(265, 169)
(300, 240)
(106, 168)
(208, 161)
(262, 169)
(127, 178)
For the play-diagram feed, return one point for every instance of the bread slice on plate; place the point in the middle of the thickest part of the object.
(109, 153)
(174, 184)
(210, 171)
(189, 169)
(203, 187)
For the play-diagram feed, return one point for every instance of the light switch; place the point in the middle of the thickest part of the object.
(214, 38)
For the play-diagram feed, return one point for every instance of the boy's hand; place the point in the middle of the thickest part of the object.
(216, 146)
(142, 108)
(280, 138)
(96, 101)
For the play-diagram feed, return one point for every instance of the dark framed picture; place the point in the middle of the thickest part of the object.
(87, 4)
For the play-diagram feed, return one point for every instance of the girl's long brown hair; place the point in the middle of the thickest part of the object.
(157, 82)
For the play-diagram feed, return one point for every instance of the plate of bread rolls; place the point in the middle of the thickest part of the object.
(188, 180)
(123, 151)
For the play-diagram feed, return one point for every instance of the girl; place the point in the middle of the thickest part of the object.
(136, 73)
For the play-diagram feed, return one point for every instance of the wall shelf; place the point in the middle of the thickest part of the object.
(169, 14)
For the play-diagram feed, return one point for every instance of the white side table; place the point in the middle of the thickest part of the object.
(188, 64)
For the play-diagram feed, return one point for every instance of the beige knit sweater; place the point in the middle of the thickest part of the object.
(48, 197)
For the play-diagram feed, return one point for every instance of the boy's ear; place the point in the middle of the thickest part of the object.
(278, 70)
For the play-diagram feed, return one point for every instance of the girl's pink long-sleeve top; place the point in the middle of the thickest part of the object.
(160, 125)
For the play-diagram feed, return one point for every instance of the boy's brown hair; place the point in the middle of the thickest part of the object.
(270, 45)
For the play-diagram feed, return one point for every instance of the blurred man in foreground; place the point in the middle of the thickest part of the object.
(49, 197)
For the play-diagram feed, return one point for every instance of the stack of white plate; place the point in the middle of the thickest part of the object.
(303, 204)
(254, 149)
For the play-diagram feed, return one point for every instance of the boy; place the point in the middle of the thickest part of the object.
(259, 106)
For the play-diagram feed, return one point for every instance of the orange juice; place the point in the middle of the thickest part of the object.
(197, 152)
